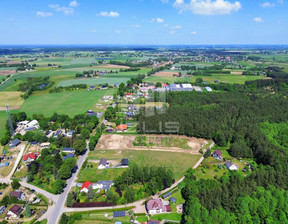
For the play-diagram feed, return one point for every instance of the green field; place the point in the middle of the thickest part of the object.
(226, 78)
(3, 119)
(93, 81)
(178, 162)
(70, 103)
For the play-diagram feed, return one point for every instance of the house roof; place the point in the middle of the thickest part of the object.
(86, 184)
(218, 153)
(29, 155)
(16, 209)
(229, 163)
(103, 162)
(16, 194)
(67, 149)
(70, 155)
(16, 141)
(122, 127)
(155, 204)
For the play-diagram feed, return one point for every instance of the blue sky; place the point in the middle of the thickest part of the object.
(143, 22)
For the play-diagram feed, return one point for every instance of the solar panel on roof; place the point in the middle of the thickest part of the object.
(119, 214)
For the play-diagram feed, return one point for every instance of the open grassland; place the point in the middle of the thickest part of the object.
(3, 119)
(176, 161)
(12, 98)
(70, 103)
(93, 81)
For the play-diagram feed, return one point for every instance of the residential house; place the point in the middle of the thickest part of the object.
(103, 164)
(14, 212)
(231, 166)
(57, 133)
(29, 157)
(217, 155)
(121, 128)
(70, 155)
(208, 89)
(85, 186)
(103, 185)
(156, 206)
(124, 162)
(14, 143)
(45, 145)
(18, 194)
(70, 133)
(68, 150)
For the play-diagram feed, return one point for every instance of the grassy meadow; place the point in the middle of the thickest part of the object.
(178, 162)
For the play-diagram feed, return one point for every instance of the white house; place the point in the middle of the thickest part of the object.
(231, 166)
(14, 211)
(103, 164)
(156, 206)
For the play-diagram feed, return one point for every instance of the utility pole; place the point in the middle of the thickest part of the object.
(10, 121)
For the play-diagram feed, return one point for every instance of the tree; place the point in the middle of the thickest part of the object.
(199, 80)
(91, 192)
(64, 219)
(70, 200)
(129, 194)
(57, 161)
(15, 184)
(207, 153)
(28, 211)
(21, 116)
(85, 133)
(112, 196)
(66, 168)
(58, 186)
(79, 146)
(158, 85)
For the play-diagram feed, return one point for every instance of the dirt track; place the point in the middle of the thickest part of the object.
(125, 142)
(10, 108)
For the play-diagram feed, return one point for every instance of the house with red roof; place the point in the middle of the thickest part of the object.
(30, 157)
(121, 128)
(156, 206)
(85, 186)
(217, 155)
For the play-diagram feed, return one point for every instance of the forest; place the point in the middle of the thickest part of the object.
(233, 117)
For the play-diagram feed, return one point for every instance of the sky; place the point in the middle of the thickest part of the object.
(143, 22)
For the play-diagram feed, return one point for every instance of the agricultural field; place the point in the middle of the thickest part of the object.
(3, 120)
(12, 98)
(178, 162)
(70, 103)
(93, 81)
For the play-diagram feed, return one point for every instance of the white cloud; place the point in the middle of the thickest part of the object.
(159, 20)
(117, 31)
(136, 26)
(194, 32)
(44, 14)
(258, 20)
(176, 27)
(109, 14)
(164, 1)
(208, 7)
(280, 1)
(65, 10)
(93, 31)
(11, 20)
(73, 4)
(165, 25)
(172, 31)
(267, 5)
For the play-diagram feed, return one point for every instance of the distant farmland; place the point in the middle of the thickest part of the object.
(94, 81)
(70, 103)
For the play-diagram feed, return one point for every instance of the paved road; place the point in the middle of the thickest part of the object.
(60, 203)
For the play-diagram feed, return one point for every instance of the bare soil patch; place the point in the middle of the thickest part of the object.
(167, 74)
(125, 142)
(112, 66)
(7, 72)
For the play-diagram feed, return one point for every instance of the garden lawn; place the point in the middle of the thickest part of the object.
(168, 216)
(70, 103)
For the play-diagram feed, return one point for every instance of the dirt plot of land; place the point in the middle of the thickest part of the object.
(7, 72)
(236, 73)
(125, 142)
(169, 74)
(112, 66)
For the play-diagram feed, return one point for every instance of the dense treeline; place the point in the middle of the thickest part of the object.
(68, 88)
(232, 119)
(133, 65)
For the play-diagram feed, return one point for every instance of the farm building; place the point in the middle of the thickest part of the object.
(103, 164)
(14, 143)
(32, 124)
(231, 166)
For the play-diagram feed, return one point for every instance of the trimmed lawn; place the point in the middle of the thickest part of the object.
(169, 216)
(70, 103)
